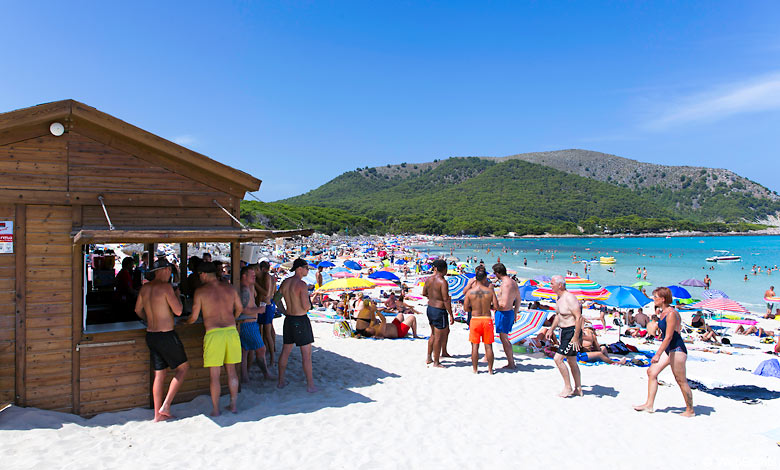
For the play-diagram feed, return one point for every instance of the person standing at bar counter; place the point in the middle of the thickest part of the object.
(221, 306)
(157, 304)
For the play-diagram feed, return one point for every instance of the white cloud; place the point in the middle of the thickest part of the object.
(185, 140)
(757, 95)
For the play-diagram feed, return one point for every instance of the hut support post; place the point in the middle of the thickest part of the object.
(20, 221)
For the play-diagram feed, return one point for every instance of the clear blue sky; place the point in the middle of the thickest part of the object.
(296, 93)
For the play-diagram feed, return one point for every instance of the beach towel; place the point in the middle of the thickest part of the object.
(768, 368)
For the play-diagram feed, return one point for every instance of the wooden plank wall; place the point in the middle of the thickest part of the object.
(114, 377)
(95, 167)
(49, 312)
(7, 317)
(35, 164)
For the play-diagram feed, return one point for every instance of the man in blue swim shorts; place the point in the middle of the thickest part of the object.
(249, 329)
(439, 306)
(508, 305)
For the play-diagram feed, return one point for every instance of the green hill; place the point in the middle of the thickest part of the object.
(477, 195)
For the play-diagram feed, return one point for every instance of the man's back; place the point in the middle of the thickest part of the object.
(293, 291)
(265, 285)
(433, 290)
(508, 294)
(155, 297)
(480, 300)
(218, 302)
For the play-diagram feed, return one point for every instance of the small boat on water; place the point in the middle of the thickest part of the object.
(725, 256)
(607, 260)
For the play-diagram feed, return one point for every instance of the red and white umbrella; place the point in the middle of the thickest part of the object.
(726, 305)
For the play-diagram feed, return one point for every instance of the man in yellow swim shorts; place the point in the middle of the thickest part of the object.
(220, 305)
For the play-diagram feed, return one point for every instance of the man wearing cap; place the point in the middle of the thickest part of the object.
(157, 304)
(220, 305)
(297, 328)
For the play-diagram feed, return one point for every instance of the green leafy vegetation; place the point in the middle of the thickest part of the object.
(483, 196)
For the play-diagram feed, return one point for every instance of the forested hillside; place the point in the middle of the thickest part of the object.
(482, 196)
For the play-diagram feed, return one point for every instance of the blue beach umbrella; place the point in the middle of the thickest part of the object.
(352, 265)
(527, 292)
(679, 292)
(384, 275)
(401, 261)
(625, 297)
(325, 264)
(456, 284)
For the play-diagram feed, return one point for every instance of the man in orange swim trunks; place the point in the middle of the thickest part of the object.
(480, 300)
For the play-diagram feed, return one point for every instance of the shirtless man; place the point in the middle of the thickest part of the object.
(508, 305)
(249, 329)
(569, 318)
(480, 301)
(265, 288)
(297, 328)
(769, 293)
(220, 305)
(439, 306)
(472, 282)
(157, 304)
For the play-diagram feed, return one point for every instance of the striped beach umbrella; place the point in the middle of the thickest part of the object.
(583, 289)
(772, 300)
(726, 305)
(527, 323)
(456, 284)
(714, 294)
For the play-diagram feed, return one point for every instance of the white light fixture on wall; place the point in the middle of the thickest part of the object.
(56, 129)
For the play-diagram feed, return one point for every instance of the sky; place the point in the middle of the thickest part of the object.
(297, 92)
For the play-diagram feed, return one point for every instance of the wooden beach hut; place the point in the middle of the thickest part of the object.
(72, 177)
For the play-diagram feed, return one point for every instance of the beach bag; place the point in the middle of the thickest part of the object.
(618, 348)
(342, 329)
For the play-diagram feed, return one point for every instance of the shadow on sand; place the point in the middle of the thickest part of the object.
(599, 391)
(334, 375)
(700, 410)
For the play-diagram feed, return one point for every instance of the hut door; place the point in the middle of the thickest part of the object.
(7, 308)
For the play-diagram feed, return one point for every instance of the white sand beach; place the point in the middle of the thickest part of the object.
(380, 406)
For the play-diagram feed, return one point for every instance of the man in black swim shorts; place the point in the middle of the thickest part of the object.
(439, 306)
(297, 329)
(157, 304)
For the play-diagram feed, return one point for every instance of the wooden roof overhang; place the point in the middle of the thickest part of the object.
(34, 122)
(87, 236)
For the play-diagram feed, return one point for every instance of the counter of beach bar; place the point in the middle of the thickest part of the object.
(76, 180)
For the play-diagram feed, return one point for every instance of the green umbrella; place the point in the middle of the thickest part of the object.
(641, 284)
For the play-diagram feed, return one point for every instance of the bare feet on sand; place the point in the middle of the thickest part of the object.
(645, 408)
(311, 389)
(282, 384)
(438, 366)
(429, 360)
(510, 367)
(446, 355)
(688, 413)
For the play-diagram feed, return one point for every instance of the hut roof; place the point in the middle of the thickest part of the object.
(32, 122)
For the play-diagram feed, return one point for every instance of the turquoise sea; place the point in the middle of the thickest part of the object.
(668, 260)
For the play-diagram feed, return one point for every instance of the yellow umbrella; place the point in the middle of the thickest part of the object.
(349, 283)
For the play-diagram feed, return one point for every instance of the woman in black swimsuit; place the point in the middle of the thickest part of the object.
(671, 351)
(365, 318)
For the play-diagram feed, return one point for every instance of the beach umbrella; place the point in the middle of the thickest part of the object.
(726, 305)
(352, 265)
(583, 289)
(384, 275)
(625, 297)
(401, 261)
(343, 274)
(352, 283)
(456, 284)
(692, 283)
(543, 278)
(639, 284)
(679, 292)
(527, 292)
(714, 294)
(325, 264)
(527, 323)
(311, 278)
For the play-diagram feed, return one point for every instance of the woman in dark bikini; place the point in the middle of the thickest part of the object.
(366, 318)
(671, 351)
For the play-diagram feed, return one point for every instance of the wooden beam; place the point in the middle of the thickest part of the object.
(174, 235)
(183, 255)
(20, 250)
(77, 303)
(235, 265)
(129, 198)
